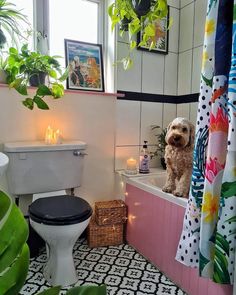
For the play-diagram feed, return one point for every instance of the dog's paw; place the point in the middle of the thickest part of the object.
(180, 194)
(167, 189)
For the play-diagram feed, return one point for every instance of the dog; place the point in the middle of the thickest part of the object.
(178, 157)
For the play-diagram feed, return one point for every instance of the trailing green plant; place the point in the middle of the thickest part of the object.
(121, 10)
(24, 65)
(14, 254)
(10, 20)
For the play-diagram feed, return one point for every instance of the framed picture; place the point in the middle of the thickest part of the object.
(85, 65)
(160, 39)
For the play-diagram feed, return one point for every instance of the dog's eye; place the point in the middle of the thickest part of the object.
(173, 127)
(185, 129)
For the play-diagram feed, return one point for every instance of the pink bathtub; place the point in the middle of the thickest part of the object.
(154, 226)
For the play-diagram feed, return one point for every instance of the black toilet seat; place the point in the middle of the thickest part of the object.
(60, 210)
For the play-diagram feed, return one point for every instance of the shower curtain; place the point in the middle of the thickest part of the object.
(208, 237)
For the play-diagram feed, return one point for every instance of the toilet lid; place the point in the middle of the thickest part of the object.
(60, 210)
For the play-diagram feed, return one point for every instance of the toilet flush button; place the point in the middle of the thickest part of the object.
(22, 156)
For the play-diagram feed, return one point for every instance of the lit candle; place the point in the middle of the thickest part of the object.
(57, 138)
(131, 167)
(49, 135)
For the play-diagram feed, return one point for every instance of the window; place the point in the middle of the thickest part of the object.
(77, 20)
(26, 7)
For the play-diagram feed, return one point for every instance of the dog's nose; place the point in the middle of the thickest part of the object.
(177, 137)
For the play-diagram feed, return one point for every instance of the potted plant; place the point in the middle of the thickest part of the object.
(140, 15)
(14, 258)
(25, 67)
(10, 19)
(161, 144)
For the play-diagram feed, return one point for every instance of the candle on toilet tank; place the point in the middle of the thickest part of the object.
(49, 135)
(57, 137)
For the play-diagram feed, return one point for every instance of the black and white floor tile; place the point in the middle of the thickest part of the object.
(121, 268)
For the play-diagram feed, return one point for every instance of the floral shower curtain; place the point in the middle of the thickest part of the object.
(209, 230)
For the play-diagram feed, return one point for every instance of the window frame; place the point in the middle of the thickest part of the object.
(42, 23)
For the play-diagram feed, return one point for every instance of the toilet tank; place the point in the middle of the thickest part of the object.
(35, 167)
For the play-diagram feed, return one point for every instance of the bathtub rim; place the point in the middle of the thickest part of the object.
(137, 182)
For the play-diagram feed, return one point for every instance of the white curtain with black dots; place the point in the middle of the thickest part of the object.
(208, 238)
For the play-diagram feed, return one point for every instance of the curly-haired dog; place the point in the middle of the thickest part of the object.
(178, 157)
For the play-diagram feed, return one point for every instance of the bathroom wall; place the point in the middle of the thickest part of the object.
(86, 117)
(191, 37)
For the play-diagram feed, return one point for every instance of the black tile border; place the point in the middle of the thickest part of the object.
(175, 99)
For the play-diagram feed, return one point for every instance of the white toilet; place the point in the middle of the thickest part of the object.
(34, 168)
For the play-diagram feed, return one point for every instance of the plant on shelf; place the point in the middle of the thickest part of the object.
(161, 144)
(134, 16)
(25, 67)
(10, 23)
(14, 254)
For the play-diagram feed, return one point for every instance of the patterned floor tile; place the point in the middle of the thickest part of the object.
(121, 268)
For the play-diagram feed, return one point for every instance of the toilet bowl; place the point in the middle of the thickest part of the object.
(60, 220)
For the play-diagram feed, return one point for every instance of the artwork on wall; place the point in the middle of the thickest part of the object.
(160, 38)
(85, 65)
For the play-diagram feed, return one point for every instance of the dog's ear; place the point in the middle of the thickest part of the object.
(192, 134)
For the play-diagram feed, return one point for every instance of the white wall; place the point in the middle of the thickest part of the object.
(192, 23)
(152, 72)
(90, 118)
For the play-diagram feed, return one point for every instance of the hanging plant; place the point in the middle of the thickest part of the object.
(141, 15)
(10, 20)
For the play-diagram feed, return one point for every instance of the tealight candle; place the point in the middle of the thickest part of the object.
(57, 138)
(131, 167)
(49, 135)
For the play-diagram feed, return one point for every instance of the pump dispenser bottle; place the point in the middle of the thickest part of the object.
(144, 159)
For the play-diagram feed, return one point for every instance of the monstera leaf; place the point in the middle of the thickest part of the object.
(14, 252)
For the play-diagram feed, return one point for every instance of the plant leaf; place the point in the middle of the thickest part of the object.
(64, 75)
(43, 90)
(51, 291)
(57, 90)
(41, 104)
(29, 103)
(20, 86)
(228, 189)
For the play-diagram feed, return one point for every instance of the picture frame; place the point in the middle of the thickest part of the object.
(161, 37)
(85, 62)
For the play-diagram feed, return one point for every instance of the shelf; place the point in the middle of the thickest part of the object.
(78, 91)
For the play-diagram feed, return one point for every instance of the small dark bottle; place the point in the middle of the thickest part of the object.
(144, 159)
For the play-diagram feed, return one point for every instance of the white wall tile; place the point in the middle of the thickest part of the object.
(185, 2)
(169, 113)
(151, 114)
(152, 73)
(174, 31)
(193, 112)
(196, 72)
(129, 80)
(183, 110)
(171, 74)
(186, 27)
(123, 153)
(173, 3)
(185, 72)
(127, 122)
(199, 21)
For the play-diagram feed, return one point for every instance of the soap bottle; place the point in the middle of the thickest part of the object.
(144, 159)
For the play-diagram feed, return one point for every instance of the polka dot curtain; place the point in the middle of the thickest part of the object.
(209, 230)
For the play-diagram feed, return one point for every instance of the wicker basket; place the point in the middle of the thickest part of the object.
(104, 235)
(110, 212)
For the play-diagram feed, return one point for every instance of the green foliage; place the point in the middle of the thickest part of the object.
(14, 252)
(10, 20)
(123, 10)
(161, 142)
(21, 66)
(228, 189)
